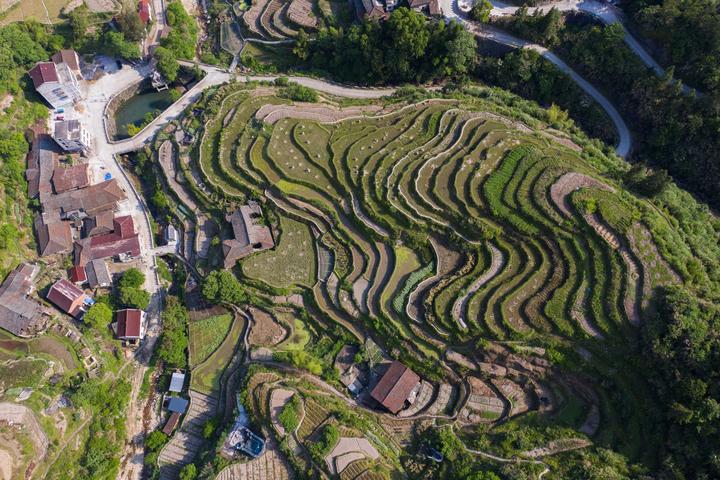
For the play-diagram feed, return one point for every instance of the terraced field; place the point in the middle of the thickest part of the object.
(452, 223)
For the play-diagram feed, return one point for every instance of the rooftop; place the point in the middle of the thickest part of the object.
(42, 73)
(177, 381)
(77, 274)
(98, 274)
(129, 323)
(19, 314)
(395, 387)
(69, 57)
(66, 296)
(70, 178)
(250, 234)
(177, 404)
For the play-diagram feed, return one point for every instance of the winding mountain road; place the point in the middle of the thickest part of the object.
(451, 11)
(605, 12)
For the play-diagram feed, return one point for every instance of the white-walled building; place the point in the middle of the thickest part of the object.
(57, 81)
(71, 136)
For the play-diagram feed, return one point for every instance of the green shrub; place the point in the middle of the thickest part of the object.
(290, 415)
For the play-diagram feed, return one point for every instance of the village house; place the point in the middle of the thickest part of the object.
(171, 423)
(144, 11)
(177, 405)
(19, 314)
(66, 198)
(71, 136)
(431, 7)
(370, 9)
(121, 242)
(170, 235)
(67, 297)
(177, 381)
(130, 326)
(57, 81)
(250, 234)
(98, 275)
(397, 386)
(69, 178)
(78, 275)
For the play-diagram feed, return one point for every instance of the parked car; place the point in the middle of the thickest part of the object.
(60, 110)
(60, 118)
(119, 64)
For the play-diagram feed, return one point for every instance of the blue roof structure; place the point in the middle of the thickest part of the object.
(244, 440)
(177, 381)
(177, 404)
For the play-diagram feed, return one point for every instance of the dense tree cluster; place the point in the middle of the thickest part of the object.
(221, 286)
(106, 400)
(688, 34)
(131, 293)
(406, 48)
(98, 316)
(182, 38)
(683, 343)
(174, 340)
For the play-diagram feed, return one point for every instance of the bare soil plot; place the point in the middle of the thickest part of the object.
(348, 450)
(278, 399)
(265, 330)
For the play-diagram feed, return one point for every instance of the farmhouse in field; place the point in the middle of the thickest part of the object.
(19, 314)
(398, 385)
(57, 81)
(250, 234)
(130, 326)
(67, 297)
(176, 382)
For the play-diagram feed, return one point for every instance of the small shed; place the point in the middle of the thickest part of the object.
(177, 381)
(177, 404)
(171, 423)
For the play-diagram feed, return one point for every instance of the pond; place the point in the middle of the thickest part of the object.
(133, 111)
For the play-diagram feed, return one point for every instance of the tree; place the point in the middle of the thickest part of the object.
(134, 298)
(99, 316)
(155, 440)
(174, 341)
(78, 23)
(301, 49)
(130, 25)
(132, 278)
(481, 11)
(115, 45)
(167, 63)
(221, 286)
(188, 472)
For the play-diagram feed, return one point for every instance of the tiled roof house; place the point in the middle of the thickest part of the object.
(20, 314)
(67, 297)
(395, 386)
(250, 234)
